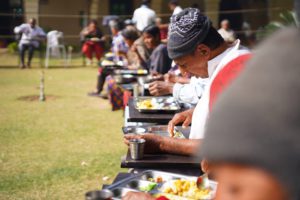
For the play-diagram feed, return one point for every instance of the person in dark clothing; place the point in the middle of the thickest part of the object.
(159, 61)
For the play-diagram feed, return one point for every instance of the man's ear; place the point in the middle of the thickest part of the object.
(203, 50)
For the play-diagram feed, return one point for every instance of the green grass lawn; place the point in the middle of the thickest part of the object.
(57, 149)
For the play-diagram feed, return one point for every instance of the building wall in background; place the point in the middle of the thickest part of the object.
(68, 12)
(70, 24)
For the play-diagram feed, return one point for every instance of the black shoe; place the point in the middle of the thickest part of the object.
(103, 96)
(93, 94)
(22, 66)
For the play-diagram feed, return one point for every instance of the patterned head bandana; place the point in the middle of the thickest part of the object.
(187, 29)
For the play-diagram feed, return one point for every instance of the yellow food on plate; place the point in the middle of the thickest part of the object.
(185, 188)
(146, 104)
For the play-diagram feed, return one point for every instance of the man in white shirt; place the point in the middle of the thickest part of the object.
(30, 39)
(226, 32)
(144, 16)
(174, 6)
(198, 49)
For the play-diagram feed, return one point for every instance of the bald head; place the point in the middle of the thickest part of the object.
(32, 22)
(225, 24)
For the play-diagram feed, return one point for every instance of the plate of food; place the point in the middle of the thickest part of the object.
(171, 185)
(95, 39)
(156, 104)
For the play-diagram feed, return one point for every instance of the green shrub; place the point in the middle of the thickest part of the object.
(12, 47)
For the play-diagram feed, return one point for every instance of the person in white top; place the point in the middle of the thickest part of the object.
(197, 48)
(31, 37)
(174, 6)
(226, 32)
(144, 16)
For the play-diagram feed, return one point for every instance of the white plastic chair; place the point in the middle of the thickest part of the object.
(55, 47)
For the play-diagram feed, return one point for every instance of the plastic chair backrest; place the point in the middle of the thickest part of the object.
(55, 38)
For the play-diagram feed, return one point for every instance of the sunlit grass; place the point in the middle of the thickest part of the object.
(60, 148)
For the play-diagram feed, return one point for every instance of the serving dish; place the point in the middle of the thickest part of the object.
(157, 129)
(173, 186)
(124, 79)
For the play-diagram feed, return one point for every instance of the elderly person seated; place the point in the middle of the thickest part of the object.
(225, 31)
(31, 37)
(91, 37)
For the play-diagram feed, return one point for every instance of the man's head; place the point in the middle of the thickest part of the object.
(192, 41)
(173, 4)
(130, 34)
(93, 24)
(32, 22)
(146, 2)
(151, 35)
(115, 26)
(225, 24)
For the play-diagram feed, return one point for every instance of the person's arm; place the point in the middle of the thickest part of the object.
(190, 93)
(137, 196)
(184, 117)
(41, 33)
(20, 29)
(160, 88)
(159, 144)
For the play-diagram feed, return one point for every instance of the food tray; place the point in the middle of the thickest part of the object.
(156, 104)
(156, 180)
(159, 130)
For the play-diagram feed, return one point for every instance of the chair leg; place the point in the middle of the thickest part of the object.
(41, 57)
(64, 55)
(69, 56)
(47, 57)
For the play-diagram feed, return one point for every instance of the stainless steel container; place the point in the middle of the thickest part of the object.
(136, 147)
(99, 195)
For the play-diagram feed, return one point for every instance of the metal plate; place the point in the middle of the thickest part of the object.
(159, 130)
(156, 104)
(139, 72)
(140, 181)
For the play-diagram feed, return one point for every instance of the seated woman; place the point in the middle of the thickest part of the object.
(92, 43)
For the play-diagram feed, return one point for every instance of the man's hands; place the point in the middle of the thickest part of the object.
(160, 88)
(137, 196)
(185, 117)
(152, 144)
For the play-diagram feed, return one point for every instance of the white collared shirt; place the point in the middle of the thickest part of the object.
(143, 17)
(29, 35)
(227, 35)
(201, 111)
(177, 10)
(190, 93)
